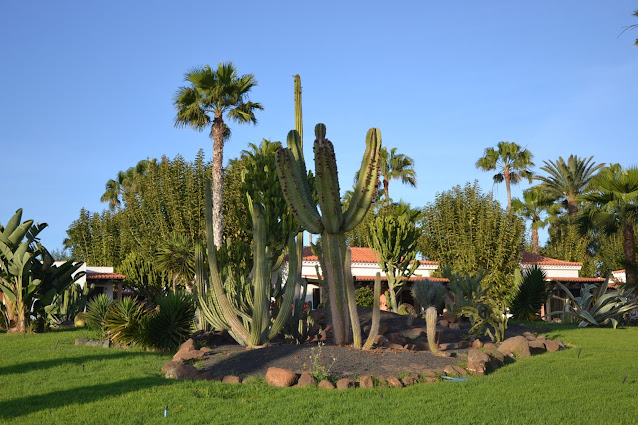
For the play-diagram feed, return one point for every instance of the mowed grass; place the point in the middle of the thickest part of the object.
(42, 381)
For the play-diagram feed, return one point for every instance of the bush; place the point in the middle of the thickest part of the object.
(531, 295)
(170, 324)
(124, 321)
(96, 311)
(364, 296)
(429, 293)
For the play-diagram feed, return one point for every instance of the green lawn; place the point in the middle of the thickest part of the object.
(42, 382)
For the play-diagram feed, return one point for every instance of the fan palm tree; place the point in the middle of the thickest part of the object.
(395, 166)
(512, 162)
(534, 206)
(211, 96)
(613, 206)
(567, 180)
(126, 181)
(176, 256)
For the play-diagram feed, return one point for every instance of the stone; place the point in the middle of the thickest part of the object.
(530, 336)
(383, 328)
(278, 377)
(431, 379)
(551, 345)
(183, 371)
(449, 370)
(306, 380)
(444, 323)
(537, 346)
(410, 347)
(106, 343)
(205, 376)
(477, 368)
(459, 370)
(477, 343)
(401, 341)
(325, 384)
(409, 380)
(449, 316)
(455, 326)
(231, 379)
(474, 355)
(393, 381)
(81, 341)
(168, 366)
(516, 346)
(392, 336)
(542, 337)
(188, 345)
(366, 381)
(380, 340)
(188, 355)
(428, 373)
(412, 333)
(205, 350)
(447, 346)
(345, 383)
(394, 346)
(420, 346)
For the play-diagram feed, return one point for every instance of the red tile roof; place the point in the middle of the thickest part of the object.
(105, 276)
(576, 279)
(531, 258)
(384, 278)
(359, 255)
(618, 271)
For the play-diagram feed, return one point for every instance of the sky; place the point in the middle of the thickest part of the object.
(87, 87)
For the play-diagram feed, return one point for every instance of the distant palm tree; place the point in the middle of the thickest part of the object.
(536, 203)
(211, 95)
(512, 163)
(613, 206)
(126, 181)
(568, 180)
(176, 256)
(394, 166)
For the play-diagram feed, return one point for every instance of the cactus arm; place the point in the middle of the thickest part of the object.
(352, 302)
(334, 276)
(430, 321)
(289, 291)
(296, 192)
(366, 187)
(298, 114)
(376, 313)
(210, 313)
(261, 277)
(327, 184)
(229, 315)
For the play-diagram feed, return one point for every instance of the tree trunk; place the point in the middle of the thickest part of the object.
(386, 185)
(534, 240)
(21, 320)
(629, 248)
(393, 296)
(506, 174)
(572, 206)
(218, 187)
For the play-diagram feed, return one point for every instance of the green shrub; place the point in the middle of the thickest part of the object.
(598, 307)
(124, 321)
(170, 324)
(96, 311)
(364, 296)
(429, 293)
(405, 309)
(531, 295)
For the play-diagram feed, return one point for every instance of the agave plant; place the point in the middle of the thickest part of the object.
(599, 307)
(96, 311)
(171, 323)
(123, 321)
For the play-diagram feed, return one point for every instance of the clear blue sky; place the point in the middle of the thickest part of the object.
(87, 87)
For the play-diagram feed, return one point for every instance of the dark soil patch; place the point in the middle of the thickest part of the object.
(231, 359)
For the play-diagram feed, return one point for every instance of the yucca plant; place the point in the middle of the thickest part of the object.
(598, 307)
(171, 323)
(123, 321)
(96, 310)
(432, 296)
(531, 295)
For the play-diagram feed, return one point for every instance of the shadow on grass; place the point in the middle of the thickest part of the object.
(79, 360)
(77, 395)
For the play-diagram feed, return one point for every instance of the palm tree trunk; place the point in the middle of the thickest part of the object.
(506, 174)
(386, 185)
(572, 206)
(534, 240)
(218, 188)
(629, 248)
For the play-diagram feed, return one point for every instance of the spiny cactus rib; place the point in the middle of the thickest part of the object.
(295, 194)
(334, 275)
(261, 277)
(228, 312)
(327, 186)
(376, 313)
(290, 289)
(298, 114)
(352, 302)
(367, 183)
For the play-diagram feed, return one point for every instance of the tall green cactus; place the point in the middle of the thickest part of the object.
(333, 222)
(247, 329)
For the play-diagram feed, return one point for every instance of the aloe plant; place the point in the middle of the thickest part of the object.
(598, 307)
(333, 221)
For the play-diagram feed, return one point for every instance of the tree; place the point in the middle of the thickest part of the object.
(176, 256)
(212, 95)
(126, 181)
(393, 238)
(394, 166)
(567, 180)
(512, 163)
(613, 206)
(534, 207)
(469, 231)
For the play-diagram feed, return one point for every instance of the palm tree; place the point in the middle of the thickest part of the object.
(512, 163)
(394, 166)
(613, 206)
(568, 180)
(126, 181)
(536, 203)
(176, 256)
(211, 95)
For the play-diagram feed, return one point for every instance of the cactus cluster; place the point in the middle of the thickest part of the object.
(333, 221)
